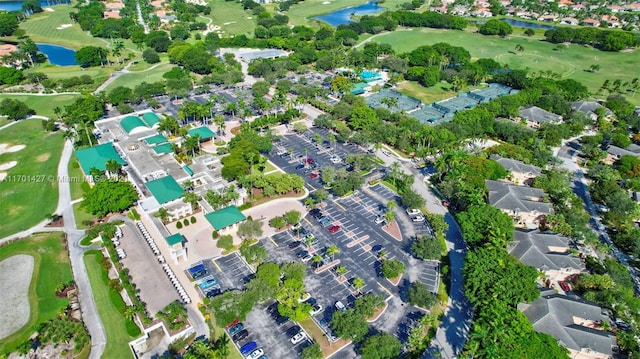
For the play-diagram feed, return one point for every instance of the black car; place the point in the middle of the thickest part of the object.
(302, 254)
(281, 320)
(294, 244)
(293, 331)
(273, 307)
(311, 301)
(315, 212)
(240, 335)
(214, 292)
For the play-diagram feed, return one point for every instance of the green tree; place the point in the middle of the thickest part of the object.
(420, 295)
(381, 346)
(250, 229)
(367, 304)
(108, 196)
(15, 109)
(192, 199)
(312, 351)
(8, 24)
(349, 324)
(332, 251)
(392, 268)
(292, 217)
(253, 253)
(427, 247)
(150, 56)
(486, 225)
(277, 222)
(269, 273)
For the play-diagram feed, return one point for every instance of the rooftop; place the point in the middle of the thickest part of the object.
(165, 189)
(97, 157)
(543, 250)
(225, 217)
(263, 54)
(510, 197)
(175, 239)
(538, 115)
(155, 139)
(517, 166)
(150, 118)
(203, 132)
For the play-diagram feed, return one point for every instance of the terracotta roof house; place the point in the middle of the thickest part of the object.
(575, 323)
(525, 204)
(546, 251)
(535, 116)
(591, 22)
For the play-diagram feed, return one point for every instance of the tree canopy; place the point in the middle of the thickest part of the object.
(108, 196)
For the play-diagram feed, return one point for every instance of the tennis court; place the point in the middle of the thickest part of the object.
(402, 102)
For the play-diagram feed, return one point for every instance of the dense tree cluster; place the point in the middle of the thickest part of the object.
(607, 40)
(15, 109)
(495, 27)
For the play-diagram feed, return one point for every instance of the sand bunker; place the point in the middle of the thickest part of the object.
(48, 9)
(63, 26)
(43, 157)
(5, 166)
(5, 148)
(326, 3)
(15, 277)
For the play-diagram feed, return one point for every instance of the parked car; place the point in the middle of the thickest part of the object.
(314, 175)
(236, 328)
(418, 218)
(273, 307)
(301, 254)
(240, 335)
(315, 213)
(300, 166)
(339, 306)
(213, 292)
(293, 331)
(309, 160)
(294, 244)
(281, 320)
(311, 301)
(379, 220)
(255, 354)
(248, 348)
(316, 309)
(306, 258)
(298, 338)
(334, 229)
(413, 211)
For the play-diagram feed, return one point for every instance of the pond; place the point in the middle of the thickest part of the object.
(343, 16)
(17, 5)
(526, 24)
(58, 55)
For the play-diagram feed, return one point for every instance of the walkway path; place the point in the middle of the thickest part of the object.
(456, 322)
(125, 70)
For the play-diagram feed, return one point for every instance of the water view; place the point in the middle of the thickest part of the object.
(526, 24)
(17, 5)
(58, 55)
(343, 16)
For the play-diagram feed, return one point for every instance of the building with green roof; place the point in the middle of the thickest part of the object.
(176, 246)
(205, 133)
(226, 219)
(133, 124)
(150, 118)
(359, 88)
(165, 189)
(162, 148)
(97, 157)
(156, 140)
(175, 239)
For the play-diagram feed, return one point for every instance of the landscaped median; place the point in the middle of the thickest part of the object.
(119, 330)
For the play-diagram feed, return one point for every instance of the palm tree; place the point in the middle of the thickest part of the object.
(192, 144)
(389, 217)
(317, 259)
(308, 240)
(163, 214)
(358, 284)
(191, 198)
(341, 270)
(519, 48)
(332, 251)
(129, 312)
(113, 167)
(332, 139)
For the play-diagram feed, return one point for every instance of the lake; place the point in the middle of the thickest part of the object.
(526, 24)
(58, 55)
(343, 16)
(17, 5)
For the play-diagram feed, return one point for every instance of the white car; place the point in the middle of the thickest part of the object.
(316, 309)
(256, 354)
(340, 306)
(379, 220)
(297, 338)
(413, 211)
(335, 160)
(306, 258)
(418, 218)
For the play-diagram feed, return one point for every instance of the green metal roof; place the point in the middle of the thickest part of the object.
(175, 239)
(150, 118)
(188, 170)
(97, 157)
(156, 139)
(162, 148)
(165, 189)
(130, 123)
(225, 217)
(359, 88)
(205, 133)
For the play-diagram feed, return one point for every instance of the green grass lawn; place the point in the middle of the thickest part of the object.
(51, 268)
(43, 28)
(131, 80)
(98, 74)
(303, 12)
(82, 215)
(232, 19)
(439, 92)
(43, 105)
(571, 62)
(25, 201)
(112, 319)
(75, 173)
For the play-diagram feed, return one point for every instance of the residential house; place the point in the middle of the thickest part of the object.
(535, 116)
(575, 323)
(549, 18)
(226, 220)
(589, 108)
(525, 204)
(546, 251)
(7, 50)
(520, 172)
(591, 22)
(614, 153)
(569, 21)
(482, 12)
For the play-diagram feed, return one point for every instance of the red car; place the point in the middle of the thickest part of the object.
(314, 175)
(334, 229)
(309, 160)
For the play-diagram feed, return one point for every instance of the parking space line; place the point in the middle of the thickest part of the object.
(274, 242)
(216, 264)
(339, 205)
(385, 289)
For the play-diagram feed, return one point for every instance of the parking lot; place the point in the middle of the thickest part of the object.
(230, 271)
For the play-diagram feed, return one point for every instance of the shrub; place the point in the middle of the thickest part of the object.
(85, 186)
(392, 268)
(179, 225)
(185, 222)
(225, 242)
(420, 295)
(132, 328)
(215, 235)
(277, 222)
(193, 220)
